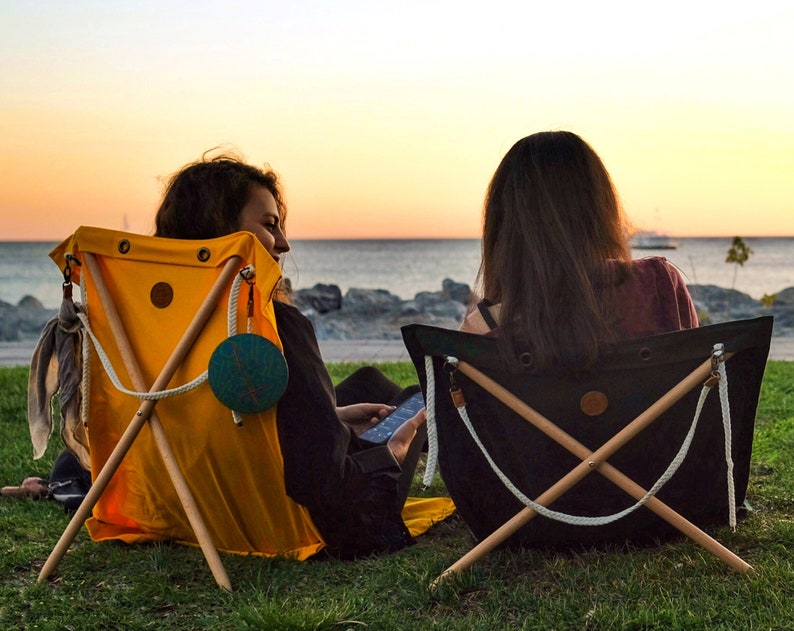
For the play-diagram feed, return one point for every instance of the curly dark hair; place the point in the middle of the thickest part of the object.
(203, 200)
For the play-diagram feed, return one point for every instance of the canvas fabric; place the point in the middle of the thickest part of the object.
(235, 474)
(631, 375)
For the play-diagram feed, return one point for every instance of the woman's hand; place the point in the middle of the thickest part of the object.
(402, 437)
(30, 487)
(361, 416)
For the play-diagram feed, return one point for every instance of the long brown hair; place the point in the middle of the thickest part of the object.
(552, 223)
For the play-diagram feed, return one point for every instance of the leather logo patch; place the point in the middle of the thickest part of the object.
(161, 295)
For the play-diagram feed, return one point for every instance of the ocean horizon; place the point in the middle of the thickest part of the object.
(406, 267)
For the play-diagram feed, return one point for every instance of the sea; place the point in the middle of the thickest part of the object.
(406, 267)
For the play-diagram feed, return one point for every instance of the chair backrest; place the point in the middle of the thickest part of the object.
(631, 375)
(235, 474)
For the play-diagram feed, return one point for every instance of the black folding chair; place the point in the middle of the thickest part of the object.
(512, 443)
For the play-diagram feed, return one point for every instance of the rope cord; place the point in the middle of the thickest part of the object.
(85, 380)
(114, 378)
(577, 519)
(246, 274)
(432, 428)
(110, 370)
(725, 405)
(580, 520)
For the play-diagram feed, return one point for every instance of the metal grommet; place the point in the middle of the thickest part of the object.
(124, 246)
(203, 255)
(525, 359)
(645, 353)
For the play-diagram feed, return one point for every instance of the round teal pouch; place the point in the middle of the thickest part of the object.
(248, 373)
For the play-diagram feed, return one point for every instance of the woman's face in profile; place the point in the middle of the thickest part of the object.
(260, 216)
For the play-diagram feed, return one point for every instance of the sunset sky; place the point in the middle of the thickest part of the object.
(388, 119)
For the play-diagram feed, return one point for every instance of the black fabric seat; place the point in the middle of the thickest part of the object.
(629, 378)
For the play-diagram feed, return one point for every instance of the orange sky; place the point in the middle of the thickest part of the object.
(388, 119)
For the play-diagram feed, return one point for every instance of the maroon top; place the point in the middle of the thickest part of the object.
(654, 299)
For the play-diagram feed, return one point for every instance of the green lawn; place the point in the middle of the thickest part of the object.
(676, 586)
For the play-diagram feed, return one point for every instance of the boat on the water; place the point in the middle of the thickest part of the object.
(652, 240)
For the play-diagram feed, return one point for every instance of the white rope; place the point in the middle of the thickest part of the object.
(580, 520)
(584, 520)
(432, 429)
(245, 274)
(725, 404)
(85, 380)
(114, 379)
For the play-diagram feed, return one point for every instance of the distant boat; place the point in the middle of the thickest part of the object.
(651, 240)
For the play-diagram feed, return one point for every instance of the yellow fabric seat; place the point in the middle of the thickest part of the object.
(235, 474)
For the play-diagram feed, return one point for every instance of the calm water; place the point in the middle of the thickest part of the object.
(405, 267)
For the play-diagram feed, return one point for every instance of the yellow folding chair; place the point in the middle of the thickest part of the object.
(512, 443)
(156, 310)
(158, 315)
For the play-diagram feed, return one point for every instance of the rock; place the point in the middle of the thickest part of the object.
(321, 298)
(9, 324)
(459, 292)
(24, 320)
(377, 314)
(29, 302)
(716, 304)
(785, 297)
(370, 301)
(437, 304)
(720, 298)
(784, 320)
(723, 304)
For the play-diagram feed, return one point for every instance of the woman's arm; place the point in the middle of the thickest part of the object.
(353, 495)
(317, 447)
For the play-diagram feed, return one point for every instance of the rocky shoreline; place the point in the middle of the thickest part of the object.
(377, 314)
(369, 314)
(23, 321)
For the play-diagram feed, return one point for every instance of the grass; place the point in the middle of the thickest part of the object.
(675, 586)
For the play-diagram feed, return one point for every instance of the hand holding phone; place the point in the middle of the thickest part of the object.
(383, 429)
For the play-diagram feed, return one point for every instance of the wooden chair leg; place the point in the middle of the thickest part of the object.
(593, 461)
(144, 413)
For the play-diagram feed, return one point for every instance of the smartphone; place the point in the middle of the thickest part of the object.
(382, 431)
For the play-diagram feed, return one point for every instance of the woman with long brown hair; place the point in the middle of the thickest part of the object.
(556, 277)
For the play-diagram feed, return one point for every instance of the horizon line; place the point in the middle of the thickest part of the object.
(672, 236)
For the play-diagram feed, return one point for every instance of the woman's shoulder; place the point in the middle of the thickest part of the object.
(654, 278)
(297, 336)
(290, 319)
(655, 268)
(483, 319)
(286, 311)
(656, 299)
(650, 263)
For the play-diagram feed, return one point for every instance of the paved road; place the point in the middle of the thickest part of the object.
(19, 353)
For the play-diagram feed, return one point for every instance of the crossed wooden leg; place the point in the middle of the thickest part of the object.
(593, 461)
(146, 412)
